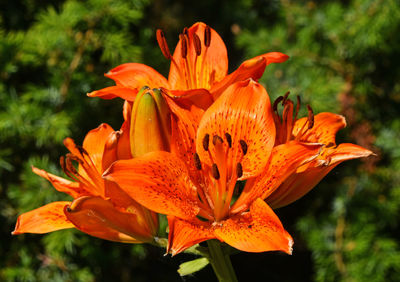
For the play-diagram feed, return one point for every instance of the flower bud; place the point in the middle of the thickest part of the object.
(150, 123)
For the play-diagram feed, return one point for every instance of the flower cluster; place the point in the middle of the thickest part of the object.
(203, 147)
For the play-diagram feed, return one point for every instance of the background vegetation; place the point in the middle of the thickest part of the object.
(345, 58)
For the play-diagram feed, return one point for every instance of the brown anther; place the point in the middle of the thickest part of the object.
(215, 171)
(310, 117)
(217, 139)
(243, 144)
(276, 102)
(183, 46)
(68, 209)
(285, 97)
(206, 142)
(239, 170)
(162, 42)
(197, 44)
(185, 31)
(228, 139)
(197, 162)
(82, 150)
(207, 36)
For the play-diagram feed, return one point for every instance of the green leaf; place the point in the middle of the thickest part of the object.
(192, 266)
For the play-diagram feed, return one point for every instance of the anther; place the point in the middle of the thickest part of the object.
(217, 139)
(207, 36)
(162, 42)
(185, 31)
(206, 142)
(197, 162)
(183, 46)
(197, 44)
(215, 171)
(310, 117)
(68, 209)
(285, 97)
(82, 150)
(243, 144)
(228, 139)
(276, 102)
(239, 170)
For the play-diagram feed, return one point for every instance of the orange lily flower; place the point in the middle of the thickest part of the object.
(196, 185)
(199, 67)
(319, 129)
(100, 208)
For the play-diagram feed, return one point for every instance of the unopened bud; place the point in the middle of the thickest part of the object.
(150, 123)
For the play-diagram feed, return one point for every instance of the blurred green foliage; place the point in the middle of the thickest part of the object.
(344, 58)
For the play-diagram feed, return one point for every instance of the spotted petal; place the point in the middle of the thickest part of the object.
(244, 112)
(184, 234)
(159, 181)
(259, 230)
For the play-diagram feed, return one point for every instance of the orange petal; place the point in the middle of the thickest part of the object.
(299, 184)
(244, 112)
(184, 234)
(99, 218)
(259, 230)
(45, 219)
(285, 159)
(71, 188)
(124, 145)
(348, 151)
(198, 71)
(326, 125)
(135, 76)
(198, 98)
(94, 143)
(252, 68)
(158, 181)
(112, 92)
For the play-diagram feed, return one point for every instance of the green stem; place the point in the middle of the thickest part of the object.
(221, 262)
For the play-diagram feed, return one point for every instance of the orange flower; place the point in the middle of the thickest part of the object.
(100, 208)
(199, 63)
(196, 186)
(319, 129)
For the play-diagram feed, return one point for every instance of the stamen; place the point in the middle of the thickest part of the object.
(207, 36)
(277, 101)
(70, 167)
(183, 46)
(197, 44)
(162, 42)
(239, 170)
(310, 117)
(69, 209)
(215, 171)
(243, 144)
(228, 139)
(285, 97)
(197, 162)
(218, 139)
(206, 142)
(185, 31)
